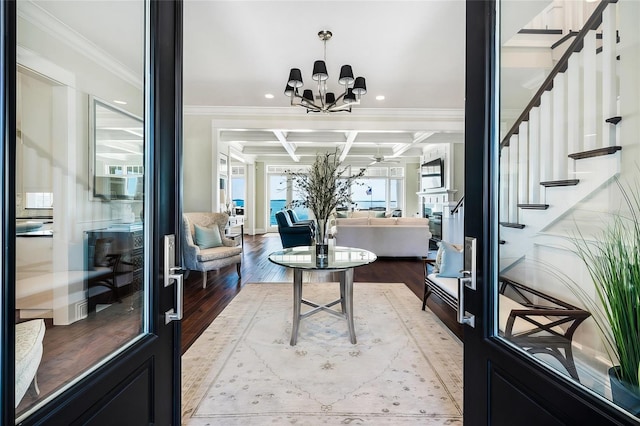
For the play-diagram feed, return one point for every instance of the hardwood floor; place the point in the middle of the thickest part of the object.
(202, 306)
(71, 349)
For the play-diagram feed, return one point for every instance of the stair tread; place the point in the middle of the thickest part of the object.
(564, 182)
(534, 206)
(608, 150)
(512, 225)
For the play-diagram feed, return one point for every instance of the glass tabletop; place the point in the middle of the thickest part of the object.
(338, 257)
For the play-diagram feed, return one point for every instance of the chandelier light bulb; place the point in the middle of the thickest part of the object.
(349, 98)
(346, 75)
(295, 78)
(289, 91)
(319, 71)
(360, 86)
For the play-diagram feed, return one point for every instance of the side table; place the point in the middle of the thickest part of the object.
(339, 259)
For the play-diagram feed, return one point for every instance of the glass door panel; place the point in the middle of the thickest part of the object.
(566, 119)
(79, 192)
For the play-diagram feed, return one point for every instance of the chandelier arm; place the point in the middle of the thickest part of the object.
(340, 108)
(306, 104)
(331, 106)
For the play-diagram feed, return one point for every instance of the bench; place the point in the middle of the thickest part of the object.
(531, 319)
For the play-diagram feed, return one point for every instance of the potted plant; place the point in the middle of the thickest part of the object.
(613, 262)
(324, 187)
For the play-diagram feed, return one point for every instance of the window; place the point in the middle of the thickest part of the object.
(135, 170)
(39, 200)
(282, 193)
(238, 186)
(380, 188)
(124, 169)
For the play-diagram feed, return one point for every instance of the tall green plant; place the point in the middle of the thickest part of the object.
(613, 261)
(325, 186)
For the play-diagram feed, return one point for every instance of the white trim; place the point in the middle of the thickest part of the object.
(34, 62)
(42, 19)
(428, 113)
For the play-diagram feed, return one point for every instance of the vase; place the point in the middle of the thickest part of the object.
(322, 240)
(624, 394)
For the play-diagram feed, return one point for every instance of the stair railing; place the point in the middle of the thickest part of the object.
(592, 23)
(539, 147)
(458, 205)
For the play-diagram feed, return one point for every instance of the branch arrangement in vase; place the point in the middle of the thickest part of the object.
(325, 187)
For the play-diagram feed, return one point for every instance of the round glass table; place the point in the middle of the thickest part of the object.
(338, 259)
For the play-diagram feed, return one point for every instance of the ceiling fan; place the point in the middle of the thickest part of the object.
(378, 158)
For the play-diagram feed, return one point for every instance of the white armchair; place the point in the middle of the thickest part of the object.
(199, 259)
(28, 346)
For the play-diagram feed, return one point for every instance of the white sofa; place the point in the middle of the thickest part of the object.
(392, 237)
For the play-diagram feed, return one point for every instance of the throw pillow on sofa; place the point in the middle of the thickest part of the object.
(384, 221)
(412, 221)
(452, 260)
(207, 237)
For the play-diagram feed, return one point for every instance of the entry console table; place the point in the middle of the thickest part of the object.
(339, 259)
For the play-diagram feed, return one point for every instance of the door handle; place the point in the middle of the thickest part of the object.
(468, 280)
(170, 315)
(464, 317)
(171, 275)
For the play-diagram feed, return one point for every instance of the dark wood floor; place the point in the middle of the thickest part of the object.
(71, 349)
(202, 306)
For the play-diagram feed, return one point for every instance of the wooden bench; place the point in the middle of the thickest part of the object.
(531, 319)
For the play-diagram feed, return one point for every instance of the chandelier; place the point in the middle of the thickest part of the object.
(325, 101)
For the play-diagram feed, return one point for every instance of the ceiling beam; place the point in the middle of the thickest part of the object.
(421, 137)
(351, 136)
(286, 145)
(236, 154)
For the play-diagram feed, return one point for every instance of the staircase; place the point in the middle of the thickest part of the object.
(564, 145)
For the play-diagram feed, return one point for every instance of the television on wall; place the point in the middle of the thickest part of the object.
(432, 173)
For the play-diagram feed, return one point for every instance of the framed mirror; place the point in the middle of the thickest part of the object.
(116, 152)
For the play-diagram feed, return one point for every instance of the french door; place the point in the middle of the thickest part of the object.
(91, 168)
(506, 382)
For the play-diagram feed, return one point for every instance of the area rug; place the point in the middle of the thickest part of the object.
(406, 367)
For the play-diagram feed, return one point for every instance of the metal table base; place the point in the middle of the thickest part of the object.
(345, 300)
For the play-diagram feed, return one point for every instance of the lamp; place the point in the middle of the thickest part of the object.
(325, 101)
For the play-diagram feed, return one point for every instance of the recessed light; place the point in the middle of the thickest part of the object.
(115, 101)
(268, 96)
(380, 98)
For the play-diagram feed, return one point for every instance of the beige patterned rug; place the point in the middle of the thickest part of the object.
(406, 368)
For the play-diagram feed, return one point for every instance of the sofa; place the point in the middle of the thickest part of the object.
(384, 236)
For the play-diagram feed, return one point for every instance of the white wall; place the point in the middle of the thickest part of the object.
(197, 157)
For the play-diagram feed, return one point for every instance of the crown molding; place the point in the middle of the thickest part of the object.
(402, 119)
(409, 113)
(51, 25)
